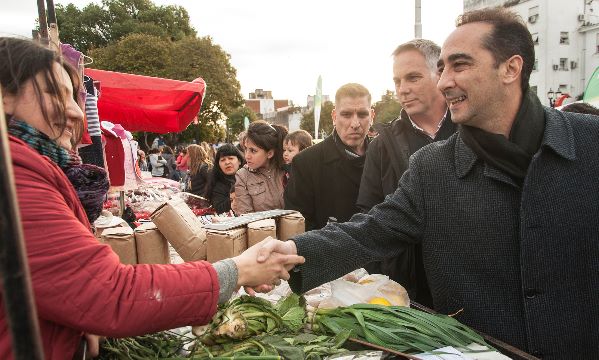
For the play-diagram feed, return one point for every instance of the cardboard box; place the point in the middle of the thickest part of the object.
(152, 247)
(183, 230)
(260, 230)
(122, 242)
(226, 244)
(290, 225)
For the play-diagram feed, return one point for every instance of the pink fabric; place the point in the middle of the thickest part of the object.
(80, 285)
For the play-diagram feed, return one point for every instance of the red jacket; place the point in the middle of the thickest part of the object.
(79, 283)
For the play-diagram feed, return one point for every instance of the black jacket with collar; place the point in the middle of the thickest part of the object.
(323, 183)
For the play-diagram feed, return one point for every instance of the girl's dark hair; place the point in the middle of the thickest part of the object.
(167, 150)
(216, 174)
(268, 137)
(21, 61)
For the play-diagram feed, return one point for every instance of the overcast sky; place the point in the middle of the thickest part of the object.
(283, 46)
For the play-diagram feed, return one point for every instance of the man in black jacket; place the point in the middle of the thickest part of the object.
(326, 177)
(424, 119)
(505, 209)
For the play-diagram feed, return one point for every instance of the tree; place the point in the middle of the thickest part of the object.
(387, 109)
(326, 119)
(96, 25)
(235, 122)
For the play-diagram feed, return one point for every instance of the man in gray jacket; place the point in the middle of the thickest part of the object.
(424, 119)
(506, 209)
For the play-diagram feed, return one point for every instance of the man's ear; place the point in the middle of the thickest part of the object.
(512, 69)
(333, 116)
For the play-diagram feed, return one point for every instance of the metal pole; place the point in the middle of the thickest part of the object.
(41, 12)
(17, 293)
(417, 20)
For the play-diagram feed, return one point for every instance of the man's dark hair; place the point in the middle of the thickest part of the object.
(509, 37)
(581, 108)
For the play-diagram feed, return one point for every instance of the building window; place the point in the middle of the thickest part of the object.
(563, 38)
(533, 14)
(563, 64)
(535, 66)
(533, 89)
(535, 38)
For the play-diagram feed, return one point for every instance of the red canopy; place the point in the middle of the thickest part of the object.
(144, 103)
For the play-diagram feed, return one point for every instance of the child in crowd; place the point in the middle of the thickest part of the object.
(294, 143)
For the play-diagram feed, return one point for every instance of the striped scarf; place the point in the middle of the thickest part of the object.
(90, 182)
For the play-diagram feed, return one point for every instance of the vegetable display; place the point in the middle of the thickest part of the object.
(252, 328)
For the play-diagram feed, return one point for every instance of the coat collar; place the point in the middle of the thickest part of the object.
(557, 136)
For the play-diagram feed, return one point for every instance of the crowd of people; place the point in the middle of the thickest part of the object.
(477, 198)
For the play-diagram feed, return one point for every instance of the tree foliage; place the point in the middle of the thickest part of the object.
(387, 109)
(326, 119)
(138, 37)
(96, 25)
(235, 121)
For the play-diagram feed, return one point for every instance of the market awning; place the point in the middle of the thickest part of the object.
(144, 103)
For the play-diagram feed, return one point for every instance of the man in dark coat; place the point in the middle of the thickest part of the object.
(506, 209)
(424, 119)
(326, 177)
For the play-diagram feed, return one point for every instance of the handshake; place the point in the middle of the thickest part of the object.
(263, 266)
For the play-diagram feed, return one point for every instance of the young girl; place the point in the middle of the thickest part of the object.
(259, 185)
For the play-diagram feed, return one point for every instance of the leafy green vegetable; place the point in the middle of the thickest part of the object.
(396, 327)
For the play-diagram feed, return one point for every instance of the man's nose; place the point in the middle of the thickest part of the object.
(445, 81)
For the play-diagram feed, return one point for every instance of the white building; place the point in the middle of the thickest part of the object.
(566, 35)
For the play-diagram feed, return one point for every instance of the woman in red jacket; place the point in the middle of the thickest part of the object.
(79, 284)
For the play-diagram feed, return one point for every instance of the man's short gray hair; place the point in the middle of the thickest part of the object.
(427, 48)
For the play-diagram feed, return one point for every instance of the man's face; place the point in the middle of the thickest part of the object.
(469, 79)
(415, 83)
(352, 117)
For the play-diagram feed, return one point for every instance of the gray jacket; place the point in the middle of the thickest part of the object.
(522, 263)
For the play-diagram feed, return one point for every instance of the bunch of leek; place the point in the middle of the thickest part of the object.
(395, 327)
(248, 316)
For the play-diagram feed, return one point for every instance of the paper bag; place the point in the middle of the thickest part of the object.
(182, 229)
(122, 242)
(226, 244)
(152, 247)
(290, 225)
(260, 230)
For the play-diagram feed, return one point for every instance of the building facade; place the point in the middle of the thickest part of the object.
(566, 36)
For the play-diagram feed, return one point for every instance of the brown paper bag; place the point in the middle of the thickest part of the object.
(122, 242)
(226, 244)
(260, 230)
(290, 225)
(182, 229)
(152, 247)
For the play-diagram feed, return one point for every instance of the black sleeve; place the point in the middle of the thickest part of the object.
(220, 198)
(339, 248)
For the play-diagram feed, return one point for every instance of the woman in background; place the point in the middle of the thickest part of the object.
(199, 166)
(259, 185)
(222, 177)
(157, 163)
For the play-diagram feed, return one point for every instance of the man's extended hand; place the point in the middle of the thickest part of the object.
(270, 245)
